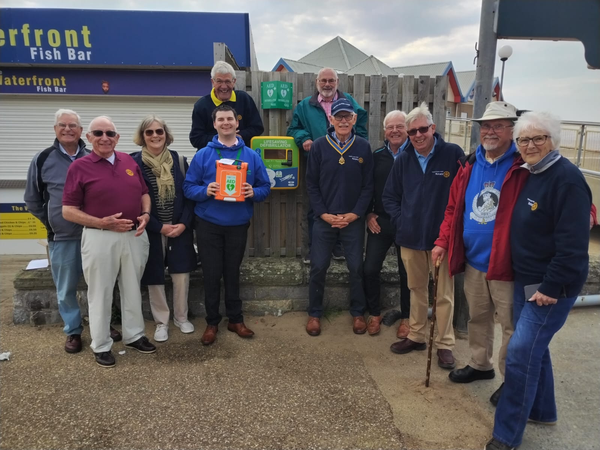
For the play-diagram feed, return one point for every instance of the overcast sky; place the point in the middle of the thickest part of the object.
(539, 75)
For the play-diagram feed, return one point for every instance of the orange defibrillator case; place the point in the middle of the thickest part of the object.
(231, 178)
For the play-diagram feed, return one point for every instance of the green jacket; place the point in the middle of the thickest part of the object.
(310, 122)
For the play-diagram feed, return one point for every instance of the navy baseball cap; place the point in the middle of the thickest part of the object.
(341, 104)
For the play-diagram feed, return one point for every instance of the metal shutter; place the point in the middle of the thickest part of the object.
(26, 123)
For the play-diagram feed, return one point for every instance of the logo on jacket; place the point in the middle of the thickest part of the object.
(129, 172)
(485, 204)
(239, 117)
(446, 174)
(532, 203)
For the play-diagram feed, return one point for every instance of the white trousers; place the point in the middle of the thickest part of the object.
(108, 256)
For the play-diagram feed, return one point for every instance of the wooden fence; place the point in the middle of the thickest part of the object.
(279, 226)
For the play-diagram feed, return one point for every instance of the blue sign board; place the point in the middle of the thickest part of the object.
(67, 81)
(120, 38)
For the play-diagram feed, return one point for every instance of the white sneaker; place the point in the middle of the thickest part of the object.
(162, 332)
(185, 327)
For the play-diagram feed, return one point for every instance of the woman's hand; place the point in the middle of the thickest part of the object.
(176, 230)
(166, 229)
(373, 224)
(541, 299)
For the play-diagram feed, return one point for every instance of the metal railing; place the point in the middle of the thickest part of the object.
(580, 141)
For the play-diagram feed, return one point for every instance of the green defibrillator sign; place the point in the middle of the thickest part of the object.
(276, 95)
(281, 157)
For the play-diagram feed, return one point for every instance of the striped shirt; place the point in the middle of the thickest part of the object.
(165, 212)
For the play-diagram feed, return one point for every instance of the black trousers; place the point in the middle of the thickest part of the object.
(221, 250)
(377, 247)
(324, 239)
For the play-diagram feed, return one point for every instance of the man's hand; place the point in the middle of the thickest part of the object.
(142, 222)
(372, 223)
(541, 299)
(438, 253)
(335, 220)
(176, 230)
(212, 189)
(247, 190)
(348, 217)
(306, 145)
(113, 223)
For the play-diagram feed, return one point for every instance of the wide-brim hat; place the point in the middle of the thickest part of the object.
(498, 110)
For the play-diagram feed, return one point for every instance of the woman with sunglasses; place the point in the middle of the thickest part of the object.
(549, 245)
(170, 229)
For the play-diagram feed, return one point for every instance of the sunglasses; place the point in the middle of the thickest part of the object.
(158, 131)
(99, 133)
(422, 130)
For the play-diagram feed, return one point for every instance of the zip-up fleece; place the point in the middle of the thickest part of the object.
(44, 191)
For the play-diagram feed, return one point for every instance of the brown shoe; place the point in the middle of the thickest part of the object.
(407, 346)
(73, 344)
(242, 330)
(313, 327)
(374, 325)
(403, 329)
(445, 359)
(210, 334)
(359, 325)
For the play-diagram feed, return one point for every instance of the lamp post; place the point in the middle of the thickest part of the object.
(504, 53)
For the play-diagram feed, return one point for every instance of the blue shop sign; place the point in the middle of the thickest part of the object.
(120, 38)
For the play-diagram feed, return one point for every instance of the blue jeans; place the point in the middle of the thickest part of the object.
(324, 238)
(65, 260)
(529, 384)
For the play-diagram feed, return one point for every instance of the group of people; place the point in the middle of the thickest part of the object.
(514, 217)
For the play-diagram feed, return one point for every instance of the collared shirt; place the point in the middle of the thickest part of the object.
(217, 102)
(340, 143)
(326, 105)
(423, 160)
(73, 157)
(400, 150)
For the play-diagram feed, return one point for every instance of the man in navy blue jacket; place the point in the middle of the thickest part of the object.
(339, 181)
(415, 197)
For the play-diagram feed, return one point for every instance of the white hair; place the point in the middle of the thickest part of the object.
(393, 115)
(327, 68)
(223, 68)
(61, 112)
(420, 111)
(101, 117)
(539, 120)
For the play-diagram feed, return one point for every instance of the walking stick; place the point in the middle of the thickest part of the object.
(436, 275)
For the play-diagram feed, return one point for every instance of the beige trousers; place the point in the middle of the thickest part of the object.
(418, 265)
(158, 297)
(486, 298)
(108, 256)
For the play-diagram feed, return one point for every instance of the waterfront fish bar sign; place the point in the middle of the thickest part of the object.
(120, 38)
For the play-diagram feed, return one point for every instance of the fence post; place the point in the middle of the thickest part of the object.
(580, 149)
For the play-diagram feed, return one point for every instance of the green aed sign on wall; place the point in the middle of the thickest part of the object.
(276, 95)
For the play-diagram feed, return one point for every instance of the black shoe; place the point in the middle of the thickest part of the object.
(391, 317)
(142, 345)
(497, 445)
(467, 375)
(115, 335)
(105, 359)
(496, 395)
(338, 253)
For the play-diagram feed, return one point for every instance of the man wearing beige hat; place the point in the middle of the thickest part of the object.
(475, 234)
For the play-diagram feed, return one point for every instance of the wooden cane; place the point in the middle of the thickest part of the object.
(436, 275)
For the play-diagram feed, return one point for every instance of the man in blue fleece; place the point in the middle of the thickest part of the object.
(415, 197)
(339, 181)
(222, 227)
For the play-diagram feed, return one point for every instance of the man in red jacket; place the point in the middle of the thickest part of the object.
(475, 234)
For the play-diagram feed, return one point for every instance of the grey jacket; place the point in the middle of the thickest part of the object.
(44, 191)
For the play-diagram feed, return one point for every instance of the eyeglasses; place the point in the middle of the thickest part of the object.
(225, 82)
(328, 80)
(537, 140)
(158, 132)
(343, 117)
(395, 127)
(422, 130)
(498, 128)
(70, 126)
(99, 133)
